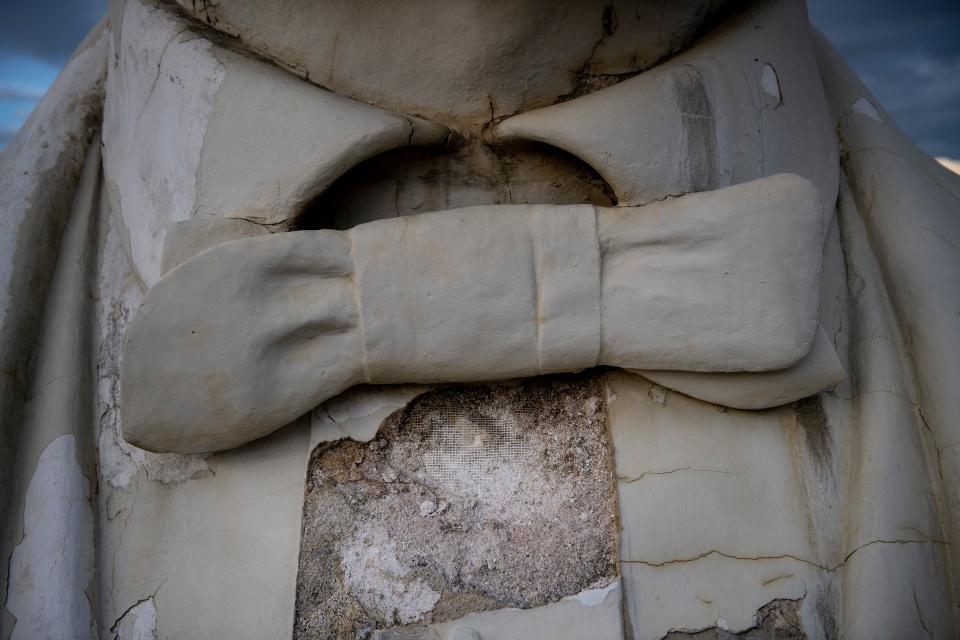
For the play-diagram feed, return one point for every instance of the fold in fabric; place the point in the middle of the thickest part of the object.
(250, 334)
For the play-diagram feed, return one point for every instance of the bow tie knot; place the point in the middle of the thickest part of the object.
(248, 335)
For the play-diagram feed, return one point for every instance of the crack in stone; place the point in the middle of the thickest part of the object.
(785, 556)
(153, 85)
(116, 550)
(769, 581)
(119, 619)
(6, 593)
(627, 480)
(933, 441)
(916, 604)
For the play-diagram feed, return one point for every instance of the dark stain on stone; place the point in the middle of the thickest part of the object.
(777, 620)
(465, 173)
(609, 20)
(825, 605)
(816, 430)
(700, 124)
(471, 498)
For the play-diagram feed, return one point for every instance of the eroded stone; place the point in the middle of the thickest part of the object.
(778, 620)
(469, 499)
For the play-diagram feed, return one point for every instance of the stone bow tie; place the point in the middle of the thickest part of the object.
(712, 293)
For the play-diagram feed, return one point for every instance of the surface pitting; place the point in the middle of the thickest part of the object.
(470, 498)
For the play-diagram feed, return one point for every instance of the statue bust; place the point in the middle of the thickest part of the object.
(475, 320)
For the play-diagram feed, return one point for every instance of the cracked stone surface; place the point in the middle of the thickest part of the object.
(512, 57)
(139, 622)
(445, 512)
(778, 620)
(736, 520)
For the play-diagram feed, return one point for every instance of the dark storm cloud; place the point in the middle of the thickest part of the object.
(46, 29)
(908, 55)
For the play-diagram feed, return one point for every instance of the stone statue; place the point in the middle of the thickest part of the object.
(483, 320)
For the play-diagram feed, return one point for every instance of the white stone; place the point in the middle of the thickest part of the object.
(786, 276)
(771, 85)
(864, 107)
(708, 282)
(41, 167)
(233, 537)
(52, 566)
(466, 60)
(818, 370)
(697, 122)
(358, 412)
(902, 229)
(593, 613)
(718, 281)
(138, 623)
(211, 133)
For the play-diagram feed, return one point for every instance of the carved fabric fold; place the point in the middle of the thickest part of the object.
(248, 335)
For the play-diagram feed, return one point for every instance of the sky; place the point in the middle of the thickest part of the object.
(36, 40)
(906, 52)
(908, 55)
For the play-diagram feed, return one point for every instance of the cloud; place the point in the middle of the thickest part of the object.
(47, 29)
(908, 55)
(12, 92)
(36, 39)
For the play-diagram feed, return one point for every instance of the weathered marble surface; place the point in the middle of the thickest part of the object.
(470, 47)
(806, 485)
(251, 334)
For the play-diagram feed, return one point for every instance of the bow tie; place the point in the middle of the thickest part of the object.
(712, 293)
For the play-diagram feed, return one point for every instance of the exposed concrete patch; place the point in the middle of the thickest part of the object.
(444, 513)
(779, 620)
